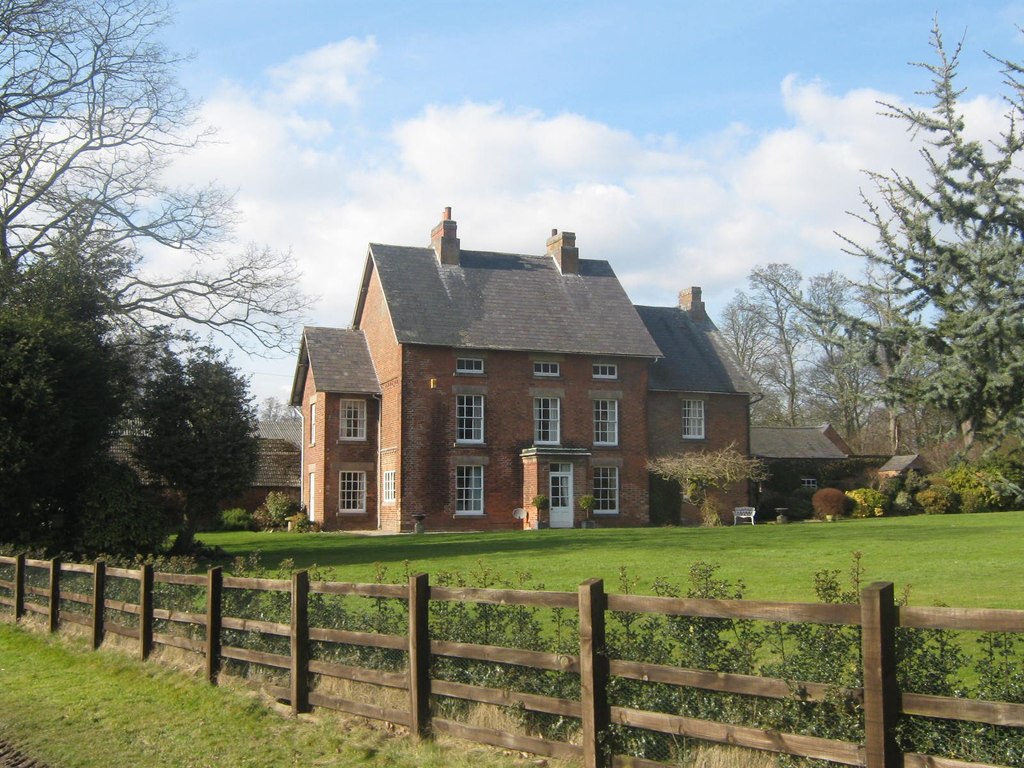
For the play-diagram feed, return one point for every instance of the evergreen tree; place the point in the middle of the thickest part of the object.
(952, 244)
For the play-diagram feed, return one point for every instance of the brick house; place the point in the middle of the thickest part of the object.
(472, 381)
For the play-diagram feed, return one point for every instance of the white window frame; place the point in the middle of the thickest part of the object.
(387, 486)
(469, 490)
(605, 371)
(606, 490)
(547, 420)
(606, 422)
(547, 369)
(469, 419)
(312, 423)
(809, 482)
(351, 487)
(693, 419)
(348, 419)
(473, 366)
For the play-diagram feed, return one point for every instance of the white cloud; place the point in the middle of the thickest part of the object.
(331, 74)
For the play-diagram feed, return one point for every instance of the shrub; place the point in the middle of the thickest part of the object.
(974, 500)
(829, 501)
(768, 503)
(236, 519)
(867, 502)
(903, 504)
(122, 517)
(273, 514)
(938, 500)
(300, 523)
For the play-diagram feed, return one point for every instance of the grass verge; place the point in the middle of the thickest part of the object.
(73, 708)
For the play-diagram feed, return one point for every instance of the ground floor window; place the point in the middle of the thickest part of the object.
(606, 490)
(808, 482)
(469, 489)
(352, 491)
(388, 485)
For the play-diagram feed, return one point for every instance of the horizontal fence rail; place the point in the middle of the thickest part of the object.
(290, 640)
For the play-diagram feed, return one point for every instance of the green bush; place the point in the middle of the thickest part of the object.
(903, 504)
(273, 514)
(236, 519)
(867, 502)
(829, 501)
(122, 517)
(938, 500)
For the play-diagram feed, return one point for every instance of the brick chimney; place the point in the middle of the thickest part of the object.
(444, 241)
(562, 248)
(690, 301)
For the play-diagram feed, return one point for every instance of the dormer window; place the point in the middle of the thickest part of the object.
(547, 368)
(473, 366)
(605, 371)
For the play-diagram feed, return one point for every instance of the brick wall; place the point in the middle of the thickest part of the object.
(726, 423)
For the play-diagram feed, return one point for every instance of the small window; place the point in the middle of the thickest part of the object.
(469, 418)
(352, 491)
(388, 486)
(471, 365)
(469, 490)
(312, 423)
(606, 490)
(353, 420)
(606, 371)
(546, 368)
(693, 419)
(808, 482)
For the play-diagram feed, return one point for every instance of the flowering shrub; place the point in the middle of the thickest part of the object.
(867, 502)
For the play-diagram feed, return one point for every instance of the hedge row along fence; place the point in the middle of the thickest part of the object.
(81, 593)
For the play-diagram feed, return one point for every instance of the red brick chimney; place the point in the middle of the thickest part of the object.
(562, 248)
(444, 241)
(690, 301)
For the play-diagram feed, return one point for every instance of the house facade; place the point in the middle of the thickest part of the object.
(472, 382)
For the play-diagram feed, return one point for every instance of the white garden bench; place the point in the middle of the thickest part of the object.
(743, 513)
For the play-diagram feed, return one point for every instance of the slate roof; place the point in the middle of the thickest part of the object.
(506, 301)
(899, 464)
(696, 357)
(290, 431)
(340, 360)
(794, 443)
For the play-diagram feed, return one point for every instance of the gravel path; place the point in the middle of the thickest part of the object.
(12, 758)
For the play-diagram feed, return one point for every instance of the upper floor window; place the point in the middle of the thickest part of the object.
(469, 418)
(312, 423)
(387, 490)
(606, 422)
(469, 489)
(693, 419)
(606, 490)
(353, 420)
(546, 420)
(546, 368)
(469, 365)
(352, 491)
(605, 371)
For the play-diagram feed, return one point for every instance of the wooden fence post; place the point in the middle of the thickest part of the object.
(99, 603)
(53, 617)
(593, 673)
(881, 692)
(145, 611)
(300, 642)
(419, 656)
(19, 586)
(214, 595)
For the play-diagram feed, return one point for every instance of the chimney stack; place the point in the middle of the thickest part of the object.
(444, 241)
(562, 248)
(690, 301)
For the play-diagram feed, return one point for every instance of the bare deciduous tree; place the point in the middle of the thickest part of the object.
(90, 117)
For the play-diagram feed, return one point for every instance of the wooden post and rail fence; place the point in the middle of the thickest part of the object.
(877, 616)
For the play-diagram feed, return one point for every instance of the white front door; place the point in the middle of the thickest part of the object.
(561, 496)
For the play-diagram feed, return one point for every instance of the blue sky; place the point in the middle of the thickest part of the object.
(684, 142)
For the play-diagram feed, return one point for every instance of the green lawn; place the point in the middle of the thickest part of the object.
(958, 560)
